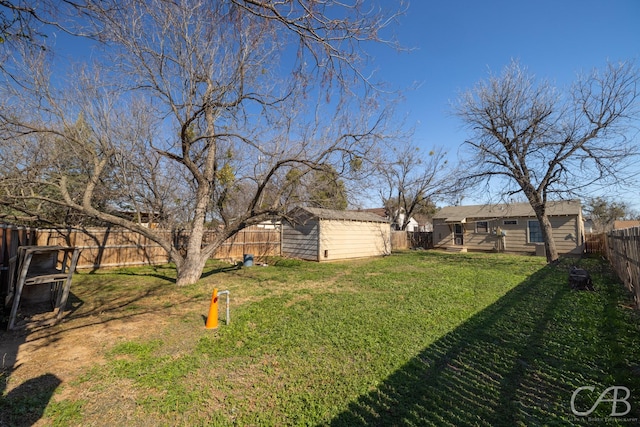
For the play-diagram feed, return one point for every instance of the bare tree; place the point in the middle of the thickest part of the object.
(26, 25)
(195, 113)
(21, 21)
(604, 213)
(413, 181)
(548, 144)
(320, 188)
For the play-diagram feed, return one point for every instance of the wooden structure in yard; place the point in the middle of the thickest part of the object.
(420, 239)
(316, 234)
(47, 271)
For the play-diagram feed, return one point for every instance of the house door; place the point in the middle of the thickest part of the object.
(458, 234)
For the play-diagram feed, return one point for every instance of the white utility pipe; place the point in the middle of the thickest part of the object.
(226, 319)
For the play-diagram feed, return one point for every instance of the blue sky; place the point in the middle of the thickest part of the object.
(454, 44)
(457, 42)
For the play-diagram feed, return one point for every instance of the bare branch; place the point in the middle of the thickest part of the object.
(194, 113)
(548, 145)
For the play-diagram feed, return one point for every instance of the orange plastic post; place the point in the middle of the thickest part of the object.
(212, 318)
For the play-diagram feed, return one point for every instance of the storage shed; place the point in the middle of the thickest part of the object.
(317, 234)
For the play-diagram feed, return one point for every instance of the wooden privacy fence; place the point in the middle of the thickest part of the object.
(107, 247)
(595, 243)
(623, 251)
(401, 240)
(10, 238)
(258, 241)
(421, 239)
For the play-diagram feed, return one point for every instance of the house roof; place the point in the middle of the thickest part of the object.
(620, 224)
(378, 211)
(331, 214)
(511, 210)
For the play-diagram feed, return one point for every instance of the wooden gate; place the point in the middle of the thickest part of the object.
(595, 243)
(421, 239)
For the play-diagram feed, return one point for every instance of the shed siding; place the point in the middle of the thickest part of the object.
(300, 240)
(353, 239)
(567, 233)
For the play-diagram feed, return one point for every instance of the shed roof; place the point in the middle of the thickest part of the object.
(511, 210)
(331, 214)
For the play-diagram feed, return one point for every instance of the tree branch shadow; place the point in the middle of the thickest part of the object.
(512, 364)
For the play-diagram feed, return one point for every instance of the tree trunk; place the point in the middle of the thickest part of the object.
(190, 270)
(547, 234)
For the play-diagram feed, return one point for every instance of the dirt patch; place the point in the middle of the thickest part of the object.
(65, 349)
(79, 341)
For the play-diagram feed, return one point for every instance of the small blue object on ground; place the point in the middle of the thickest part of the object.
(248, 260)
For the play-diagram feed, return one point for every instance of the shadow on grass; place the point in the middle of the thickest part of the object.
(151, 271)
(25, 404)
(224, 269)
(517, 362)
(158, 272)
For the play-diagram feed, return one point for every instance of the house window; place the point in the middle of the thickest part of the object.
(482, 227)
(510, 222)
(535, 232)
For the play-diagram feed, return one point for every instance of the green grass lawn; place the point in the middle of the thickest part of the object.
(417, 338)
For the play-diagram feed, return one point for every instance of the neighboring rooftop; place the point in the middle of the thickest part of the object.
(378, 211)
(511, 210)
(619, 225)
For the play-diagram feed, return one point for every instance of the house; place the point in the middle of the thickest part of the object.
(317, 234)
(412, 224)
(589, 226)
(508, 227)
(145, 219)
